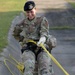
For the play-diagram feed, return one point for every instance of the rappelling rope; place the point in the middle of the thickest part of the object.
(19, 65)
(52, 57)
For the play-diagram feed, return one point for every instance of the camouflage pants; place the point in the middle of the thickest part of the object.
(44, 63)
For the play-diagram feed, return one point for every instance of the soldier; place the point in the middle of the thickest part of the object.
(37, 29)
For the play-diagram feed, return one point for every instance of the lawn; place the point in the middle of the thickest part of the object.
(72, 3)
(8, 10)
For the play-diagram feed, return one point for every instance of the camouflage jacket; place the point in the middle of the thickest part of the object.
(33, 29)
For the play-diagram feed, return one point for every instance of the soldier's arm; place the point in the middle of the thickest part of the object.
(44, 31)
(17, 30)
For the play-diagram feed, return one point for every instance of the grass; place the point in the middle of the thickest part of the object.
(72, 3)
(8, 10)
(62, 28)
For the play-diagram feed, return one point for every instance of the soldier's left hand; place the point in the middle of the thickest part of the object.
(42, 40)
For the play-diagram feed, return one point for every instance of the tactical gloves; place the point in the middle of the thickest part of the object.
(42, 40)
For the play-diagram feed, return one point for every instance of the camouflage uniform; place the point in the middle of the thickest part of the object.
(33, 30)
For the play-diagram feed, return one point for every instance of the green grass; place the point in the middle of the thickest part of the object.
(73, 4)
(62, 28)
(8, 10)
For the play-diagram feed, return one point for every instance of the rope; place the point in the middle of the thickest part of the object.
(20, 66)
(8, 66)
(52, 57)
(55, 61)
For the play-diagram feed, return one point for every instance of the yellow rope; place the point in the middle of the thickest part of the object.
(52, 57)
(8, 66)
(55, 61)
(20, 66)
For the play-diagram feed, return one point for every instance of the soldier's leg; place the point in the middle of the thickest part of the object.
(44, 64)
(29, 62)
